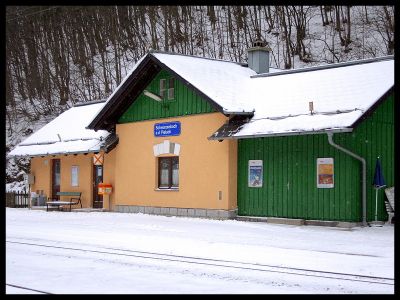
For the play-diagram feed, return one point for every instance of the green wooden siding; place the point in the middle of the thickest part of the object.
(185, 102)
(290, 169)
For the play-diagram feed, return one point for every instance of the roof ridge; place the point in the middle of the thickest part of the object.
(195, 56)
(328, 66)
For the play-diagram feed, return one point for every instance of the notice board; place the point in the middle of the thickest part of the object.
(255, 173)
(325, 173)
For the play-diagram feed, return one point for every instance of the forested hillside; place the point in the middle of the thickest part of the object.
(59, 55)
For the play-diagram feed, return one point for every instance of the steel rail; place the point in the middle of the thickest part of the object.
(227, 264)
(26, 288)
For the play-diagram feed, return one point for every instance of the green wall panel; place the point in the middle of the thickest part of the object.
(289, 186)
(185, 102)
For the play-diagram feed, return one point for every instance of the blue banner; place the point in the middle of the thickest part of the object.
(167, 129)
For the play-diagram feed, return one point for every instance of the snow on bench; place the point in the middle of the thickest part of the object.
(75, 199)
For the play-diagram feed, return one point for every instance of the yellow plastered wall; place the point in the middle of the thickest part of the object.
(85, 177)
(206, 167)
(41, 169)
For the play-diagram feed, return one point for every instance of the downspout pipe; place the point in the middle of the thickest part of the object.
(364, 175)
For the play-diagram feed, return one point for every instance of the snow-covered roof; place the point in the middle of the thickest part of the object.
(215, 80)
(340, 96)
(218, 79)
(279, 101)
(66, 134)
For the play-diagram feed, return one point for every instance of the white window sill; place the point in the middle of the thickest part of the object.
(169, 190)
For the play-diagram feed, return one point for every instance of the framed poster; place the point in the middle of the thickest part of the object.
(325, 173)
(255, 173)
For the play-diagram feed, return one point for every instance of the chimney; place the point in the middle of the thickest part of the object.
(258, 57)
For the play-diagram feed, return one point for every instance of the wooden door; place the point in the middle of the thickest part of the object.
(97, 178)
(55, 177)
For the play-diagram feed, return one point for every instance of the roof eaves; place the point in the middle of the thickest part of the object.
(230, 128)
(56, 153)
(288, 133)
(100, 144)
(112, 101)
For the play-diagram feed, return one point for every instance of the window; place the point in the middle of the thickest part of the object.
(168, 172)
(167, 91)
(74, 176)
(171, 86)
(163, 87)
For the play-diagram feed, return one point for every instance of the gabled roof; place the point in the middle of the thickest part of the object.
(276, 103)
(66, 134)
(215, 80)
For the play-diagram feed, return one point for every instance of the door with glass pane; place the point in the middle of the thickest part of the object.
(97, 178)
(168, 172)
(55, 178)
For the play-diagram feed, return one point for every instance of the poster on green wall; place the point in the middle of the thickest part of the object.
(325, 173)
(255, 173)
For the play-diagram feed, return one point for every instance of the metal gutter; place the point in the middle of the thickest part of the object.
(60, 141)
(252, 136)
(364, 175)
(240, 113)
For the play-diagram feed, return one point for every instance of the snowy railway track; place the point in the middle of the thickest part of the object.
(27, 289)
(218, 263)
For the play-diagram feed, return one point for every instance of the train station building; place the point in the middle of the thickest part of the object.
(191, 136)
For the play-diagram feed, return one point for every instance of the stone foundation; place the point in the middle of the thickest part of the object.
(178, 212)
(299, 222)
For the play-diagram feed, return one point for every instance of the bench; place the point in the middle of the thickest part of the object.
(74, 200)
(389, 203)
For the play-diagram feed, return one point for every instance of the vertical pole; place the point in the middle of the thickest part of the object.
(376, 205)
(28, 197)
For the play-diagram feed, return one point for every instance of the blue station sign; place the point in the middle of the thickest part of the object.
(167, 129)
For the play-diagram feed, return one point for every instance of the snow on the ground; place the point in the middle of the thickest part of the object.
(359, 250)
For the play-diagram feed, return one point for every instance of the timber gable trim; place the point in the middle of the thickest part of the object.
(119, 102)
(215, 105)
(128, 92)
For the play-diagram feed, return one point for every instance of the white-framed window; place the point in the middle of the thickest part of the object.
(171, 88)
(167, 88)
(163, 87)
(75, 176)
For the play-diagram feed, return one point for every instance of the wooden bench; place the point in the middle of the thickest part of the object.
(389, 203)
(75, 199)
